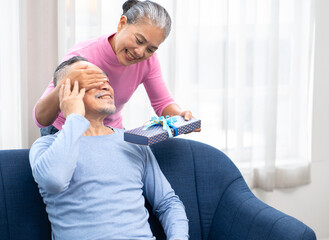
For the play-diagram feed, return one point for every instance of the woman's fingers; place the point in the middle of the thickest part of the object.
(187, 115)
(197, 130)
(91, 71)
(93, 85)
(86, 78)
(82, 65)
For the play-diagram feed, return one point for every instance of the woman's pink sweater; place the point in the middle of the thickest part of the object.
(123, 79)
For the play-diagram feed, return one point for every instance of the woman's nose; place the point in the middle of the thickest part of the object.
(140, 51)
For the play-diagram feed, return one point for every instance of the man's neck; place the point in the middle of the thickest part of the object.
(97, 128)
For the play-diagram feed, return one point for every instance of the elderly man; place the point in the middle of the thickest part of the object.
(91, 181)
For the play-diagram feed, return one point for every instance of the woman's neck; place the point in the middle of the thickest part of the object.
(112, 41)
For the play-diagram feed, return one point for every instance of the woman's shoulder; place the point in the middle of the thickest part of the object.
(86, 47)
(90, 42)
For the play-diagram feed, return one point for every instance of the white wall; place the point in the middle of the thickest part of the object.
(310, 203)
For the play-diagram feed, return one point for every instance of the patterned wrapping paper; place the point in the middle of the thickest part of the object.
(155, 134)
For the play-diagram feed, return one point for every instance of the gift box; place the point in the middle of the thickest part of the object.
(160, 129)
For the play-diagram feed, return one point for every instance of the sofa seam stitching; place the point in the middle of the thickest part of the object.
(196, 187)
(212, 221)
(304, 232)
(274, 225)
(253, 219)
(237, 210)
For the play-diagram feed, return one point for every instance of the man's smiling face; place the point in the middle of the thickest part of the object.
(100, 100)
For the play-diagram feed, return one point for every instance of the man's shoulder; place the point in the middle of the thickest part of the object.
(128, 145)
(47, 139)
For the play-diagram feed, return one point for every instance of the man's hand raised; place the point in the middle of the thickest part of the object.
(71, 101)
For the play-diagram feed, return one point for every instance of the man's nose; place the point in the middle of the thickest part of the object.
(106, 86)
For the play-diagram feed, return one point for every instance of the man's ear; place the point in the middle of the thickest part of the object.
(122, 23)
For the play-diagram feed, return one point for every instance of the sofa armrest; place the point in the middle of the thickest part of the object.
(22, 211)
(240, 215)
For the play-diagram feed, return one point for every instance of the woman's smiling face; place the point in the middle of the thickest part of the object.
(134, 43)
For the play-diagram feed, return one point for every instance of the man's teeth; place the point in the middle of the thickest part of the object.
(105, 97)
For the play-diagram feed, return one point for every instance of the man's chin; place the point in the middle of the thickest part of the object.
(108, 111)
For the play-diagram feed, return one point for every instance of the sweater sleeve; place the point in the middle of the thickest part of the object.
(53, 158)
(166, 204)
(156, 88)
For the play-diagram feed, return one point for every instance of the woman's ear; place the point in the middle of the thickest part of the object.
(122, 23)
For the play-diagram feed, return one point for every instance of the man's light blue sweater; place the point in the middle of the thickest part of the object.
(93, 186)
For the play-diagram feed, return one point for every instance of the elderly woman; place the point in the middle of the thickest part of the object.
(127, 57)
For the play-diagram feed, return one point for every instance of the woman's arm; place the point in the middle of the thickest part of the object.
(173, 109)
(47, 108)
(162, 103)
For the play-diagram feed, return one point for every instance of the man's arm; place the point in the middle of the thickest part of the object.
(166, 205)
(53, 159)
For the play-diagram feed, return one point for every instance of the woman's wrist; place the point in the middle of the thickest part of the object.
(172, 110)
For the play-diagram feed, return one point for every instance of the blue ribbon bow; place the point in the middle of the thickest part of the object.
(166, 123)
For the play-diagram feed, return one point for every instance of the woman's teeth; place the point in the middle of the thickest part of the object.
(130, 56)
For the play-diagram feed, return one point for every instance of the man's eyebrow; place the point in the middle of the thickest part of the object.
(144, 40)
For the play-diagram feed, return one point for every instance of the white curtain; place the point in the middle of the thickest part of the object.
(10, 94)
(243, 67)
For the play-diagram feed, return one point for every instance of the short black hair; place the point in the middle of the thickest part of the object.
(60, 69)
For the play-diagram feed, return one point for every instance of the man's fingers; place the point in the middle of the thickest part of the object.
(75, 90)
(67, 87)
(61, 93)
(82, 93)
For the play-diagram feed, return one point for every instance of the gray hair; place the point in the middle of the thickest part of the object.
(136, 10)
(63, 69)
